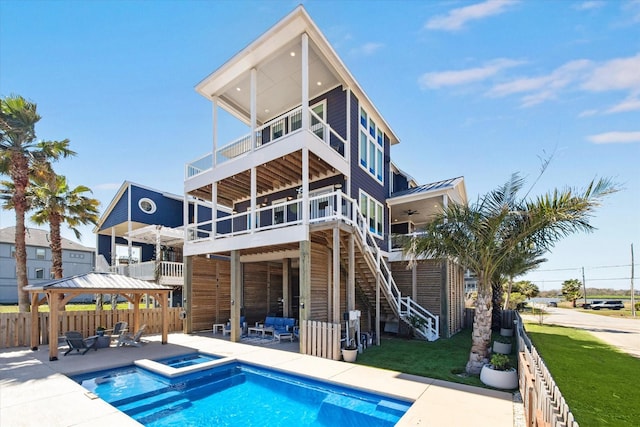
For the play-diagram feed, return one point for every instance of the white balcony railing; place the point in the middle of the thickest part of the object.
(271, 131)
(169, 273)
(327, 207)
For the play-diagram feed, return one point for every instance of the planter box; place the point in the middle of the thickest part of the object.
(501, 347)
(506, 380)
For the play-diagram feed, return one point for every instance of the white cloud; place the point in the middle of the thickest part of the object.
(630, 104)
(588, 5)
(615, 138)
(457, 18)
(367, 49)
(545, 87)
(439, 79)
(616, 74)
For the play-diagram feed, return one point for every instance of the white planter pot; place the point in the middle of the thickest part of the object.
(506, 332)
(349, 355)
(501, 347)
(506, 380)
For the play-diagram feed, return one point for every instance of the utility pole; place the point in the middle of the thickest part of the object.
(584, 283)
(633, 300)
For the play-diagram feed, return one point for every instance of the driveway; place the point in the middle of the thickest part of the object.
(622, 333)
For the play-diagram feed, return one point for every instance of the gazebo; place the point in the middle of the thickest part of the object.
(60, 291)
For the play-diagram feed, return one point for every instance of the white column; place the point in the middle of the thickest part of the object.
(254, 194)
(305, 81)
(215, 129)
(305, 185)
(445, 204)
(214, 209)
(254, 113)
(185, 217)
(129, 228)
(335, 301)
(113, 247)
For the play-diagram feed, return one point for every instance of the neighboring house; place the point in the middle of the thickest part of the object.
(140, 235)
(76, 259)
(313, 199)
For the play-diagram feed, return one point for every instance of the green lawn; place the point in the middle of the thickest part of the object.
(600, 384)
(443, 359)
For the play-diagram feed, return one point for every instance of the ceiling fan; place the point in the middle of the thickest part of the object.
(410, 212)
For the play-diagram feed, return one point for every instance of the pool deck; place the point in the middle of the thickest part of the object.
(36, 392)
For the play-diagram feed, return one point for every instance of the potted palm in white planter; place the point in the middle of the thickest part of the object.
(502, 345)
(499, 373)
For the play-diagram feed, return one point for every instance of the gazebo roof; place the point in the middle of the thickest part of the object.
(95, 282)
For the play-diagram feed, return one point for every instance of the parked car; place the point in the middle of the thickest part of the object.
(552, 304)
(613, 305)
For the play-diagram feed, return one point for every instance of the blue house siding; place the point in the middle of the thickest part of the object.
(119, 213)
(168, 211)
(361, 180)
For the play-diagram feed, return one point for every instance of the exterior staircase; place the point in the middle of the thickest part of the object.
(369, 264)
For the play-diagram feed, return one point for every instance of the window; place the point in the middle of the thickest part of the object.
(13, 251)
(39, 273)
(147, 205)
(317, 126)
(277, 129)
(373, 212)
(76, 255)
(40, 253)
(52, 275)
(371, 147)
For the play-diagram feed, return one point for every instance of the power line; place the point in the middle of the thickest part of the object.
(586, 268)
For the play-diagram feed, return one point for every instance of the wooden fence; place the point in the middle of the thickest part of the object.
(543, 402)
(15, 328)
(320, 339)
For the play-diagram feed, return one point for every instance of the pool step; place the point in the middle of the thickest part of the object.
(342, 410)
(151, 403)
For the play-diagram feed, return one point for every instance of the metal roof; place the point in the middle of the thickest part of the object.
(40, 238)
(434, 186)
(94, 282)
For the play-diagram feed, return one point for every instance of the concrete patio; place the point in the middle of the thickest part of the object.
(37, 392)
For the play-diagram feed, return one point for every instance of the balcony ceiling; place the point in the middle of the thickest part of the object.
(279, 84)
(284, 172)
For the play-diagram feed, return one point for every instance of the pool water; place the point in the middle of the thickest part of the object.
(236, 394)
(187, 360)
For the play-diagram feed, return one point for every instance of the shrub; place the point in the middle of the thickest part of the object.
(500, 362)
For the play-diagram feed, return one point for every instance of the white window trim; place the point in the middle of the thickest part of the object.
(370, 141)
(151, 202)
(365, 213)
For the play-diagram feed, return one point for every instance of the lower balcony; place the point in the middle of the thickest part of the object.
(165, 273)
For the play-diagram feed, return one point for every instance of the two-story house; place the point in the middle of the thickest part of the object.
(76, 259)
(311, 199)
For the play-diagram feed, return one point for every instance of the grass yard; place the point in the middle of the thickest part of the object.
(600, 384)
(443, 359)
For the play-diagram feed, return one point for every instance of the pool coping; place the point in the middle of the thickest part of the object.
(34, 391)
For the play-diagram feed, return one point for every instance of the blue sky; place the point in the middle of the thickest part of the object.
(479, 89)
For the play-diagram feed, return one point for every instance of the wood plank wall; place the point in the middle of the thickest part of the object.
(262, 287)
(211, 292)
(320, 280)
(455, 276)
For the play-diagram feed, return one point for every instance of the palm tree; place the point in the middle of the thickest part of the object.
(482, 236)
(56, 203)
(19, 153)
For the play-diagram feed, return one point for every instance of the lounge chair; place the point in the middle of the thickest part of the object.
(133, 340)
(80, 345)
(118, 329)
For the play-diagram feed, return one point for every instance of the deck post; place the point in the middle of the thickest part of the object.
(305, 284)
(53, 325)
(35, 324)
(286, 265)
(351, 279)
(164, 297)
(378, 308)
(305, 81)
(335, 268)
(187, 294)
(236, 296)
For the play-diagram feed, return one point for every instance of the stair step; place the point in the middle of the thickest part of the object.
(341, 410)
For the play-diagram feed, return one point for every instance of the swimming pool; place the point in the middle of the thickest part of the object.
(187, 360)
(238, 394)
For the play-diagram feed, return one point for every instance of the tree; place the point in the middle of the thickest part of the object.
(19, 154)
(572, 290)
(528, 289)
(481, 236)
(56, 203)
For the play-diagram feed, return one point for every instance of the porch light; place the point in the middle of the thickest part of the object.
(319, 83)
(289, 198)
(292, 54)
(238, 89)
